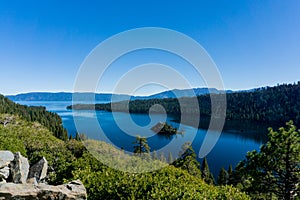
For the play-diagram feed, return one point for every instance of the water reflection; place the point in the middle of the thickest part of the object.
(242, 129)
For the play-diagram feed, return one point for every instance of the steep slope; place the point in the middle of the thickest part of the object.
(50, 120)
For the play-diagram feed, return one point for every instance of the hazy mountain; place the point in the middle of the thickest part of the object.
(67, 96)
(64, 96)
(182, 93)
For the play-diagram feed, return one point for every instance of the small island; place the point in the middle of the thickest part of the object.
(165, 129)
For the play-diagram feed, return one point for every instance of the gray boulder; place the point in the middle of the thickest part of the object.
(19, 168)
(5, 158)
(39, 170)
(4, 173)
(71, 191)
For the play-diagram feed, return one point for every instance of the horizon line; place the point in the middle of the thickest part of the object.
(107, 92)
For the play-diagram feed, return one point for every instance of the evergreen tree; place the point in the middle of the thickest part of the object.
(206, 175)
(188, 160)
(223, 177)
(141, 146)
(276, 168)
(77, 137)
(230, 175)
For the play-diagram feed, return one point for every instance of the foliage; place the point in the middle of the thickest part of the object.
(188, 160)
(118, 159)
(50, 120)
(70, 159)
(141, 146)
(230, 175)
(165, 129)
(206, 174)
(270, 104)
(223, 177)
(169, 182)
(35, 141)
(275, 170)
(10, 141)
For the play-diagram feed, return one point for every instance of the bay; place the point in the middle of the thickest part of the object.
(231, 147)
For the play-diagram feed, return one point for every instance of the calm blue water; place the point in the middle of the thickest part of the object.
(230, 148)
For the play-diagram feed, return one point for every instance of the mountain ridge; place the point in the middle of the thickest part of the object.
(67, 96)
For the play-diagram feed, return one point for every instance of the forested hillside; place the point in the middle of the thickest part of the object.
(69, 160)
(29, 113)
(269, 105)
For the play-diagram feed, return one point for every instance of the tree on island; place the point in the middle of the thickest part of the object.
(165, 129)
(141, 145)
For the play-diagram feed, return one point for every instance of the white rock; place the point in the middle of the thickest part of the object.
(4, 173)
(5, 158)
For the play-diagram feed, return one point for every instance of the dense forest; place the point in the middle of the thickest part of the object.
(271, 173)
(272, 105)
(32, 113)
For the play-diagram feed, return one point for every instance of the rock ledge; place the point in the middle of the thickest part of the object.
(18, 181)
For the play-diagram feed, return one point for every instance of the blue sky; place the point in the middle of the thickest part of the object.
(43, 43)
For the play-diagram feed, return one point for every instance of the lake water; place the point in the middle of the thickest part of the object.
(231, 147)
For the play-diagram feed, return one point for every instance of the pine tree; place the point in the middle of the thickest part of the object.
(77, 137)
(223, 177)
(276, 168)
(141, 146)
(230, 175)
(206, 175)
(188, 160)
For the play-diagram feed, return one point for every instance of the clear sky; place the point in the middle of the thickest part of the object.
(43, 43)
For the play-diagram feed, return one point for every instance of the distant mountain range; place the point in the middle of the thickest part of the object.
(182, 93)
(67, 96)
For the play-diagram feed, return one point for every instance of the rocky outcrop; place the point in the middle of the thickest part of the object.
(18, 182)
(5, 158)
(39, 170)
(4, 173)
(71, 191)
(19, 168)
